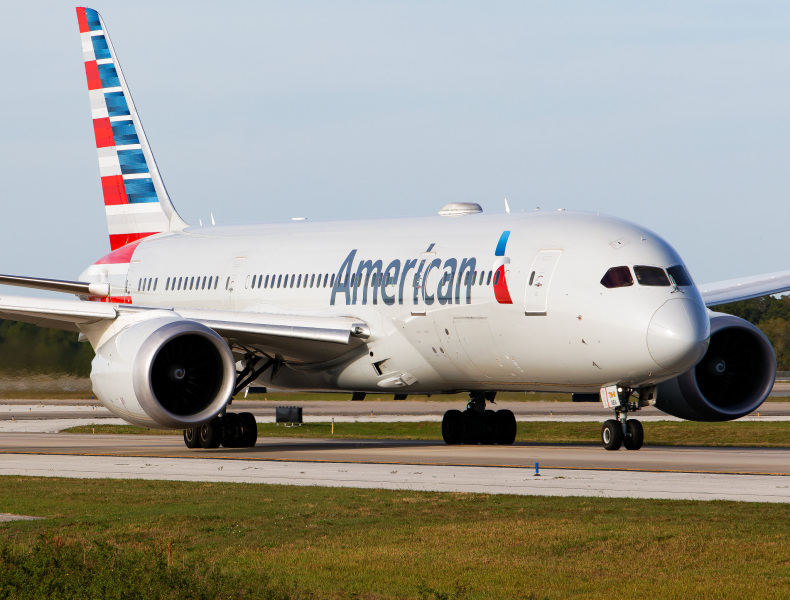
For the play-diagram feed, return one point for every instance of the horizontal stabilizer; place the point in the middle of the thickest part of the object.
(80, 288)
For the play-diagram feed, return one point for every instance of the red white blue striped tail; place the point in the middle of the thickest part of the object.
(135, 198)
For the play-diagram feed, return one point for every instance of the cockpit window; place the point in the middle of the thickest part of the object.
(679, 275)
(617, 277)
(653, 276)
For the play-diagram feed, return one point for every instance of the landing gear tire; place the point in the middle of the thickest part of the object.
(231, 437)
(248, 429)
(612, 435)
(489, 433)
(452, 427)
(472, 427)
(210, 434)
(506, 427)
(476, 425)
(634, 436)
(192, 437)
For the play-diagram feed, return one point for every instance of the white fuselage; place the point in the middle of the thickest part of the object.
(426, 289)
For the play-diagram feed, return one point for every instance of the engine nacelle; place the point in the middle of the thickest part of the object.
(164, 372)
(733, 378)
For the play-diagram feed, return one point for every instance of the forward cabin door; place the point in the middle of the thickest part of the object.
(538, 281)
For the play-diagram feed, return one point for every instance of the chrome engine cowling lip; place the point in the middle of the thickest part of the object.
(143, 365)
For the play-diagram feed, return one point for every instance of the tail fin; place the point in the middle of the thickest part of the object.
(135, 199)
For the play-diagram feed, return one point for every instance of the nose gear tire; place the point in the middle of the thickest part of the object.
(635, 435)
(612, 435)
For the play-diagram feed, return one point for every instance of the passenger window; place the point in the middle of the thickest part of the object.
(155, 282)
(312, 279)
(332, 282)
(651, 276)
(191, 282)
(616, 277)
(496, 278)
(180, 279)
(209, 281)
(227, 283)
(532, 277)
(298, 281)
(167, 284)
(260, 280)
(488, 281)
(203, 287)
(680, 276)
(254, 277)
(216, 281)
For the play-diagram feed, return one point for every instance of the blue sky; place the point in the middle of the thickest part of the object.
(674, 115)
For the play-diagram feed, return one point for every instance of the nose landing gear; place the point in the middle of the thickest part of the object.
(622, 431)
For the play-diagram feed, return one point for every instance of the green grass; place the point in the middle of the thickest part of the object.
(144, 539)
(662, 433)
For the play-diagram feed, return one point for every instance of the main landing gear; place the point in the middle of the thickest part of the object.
(231, 430)
(476, 425)
(623, 431)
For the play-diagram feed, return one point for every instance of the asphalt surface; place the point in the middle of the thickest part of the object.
(749, 474)
(765, 461)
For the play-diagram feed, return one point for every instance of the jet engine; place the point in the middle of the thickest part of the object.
(164, 372)
(733, 378)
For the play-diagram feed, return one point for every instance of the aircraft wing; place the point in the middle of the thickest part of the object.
(56, 313)
(296, 337)
(744, 288)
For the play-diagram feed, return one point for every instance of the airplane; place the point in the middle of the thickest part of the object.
(182, 318)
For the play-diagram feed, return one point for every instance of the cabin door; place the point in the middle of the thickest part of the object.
(538, 281)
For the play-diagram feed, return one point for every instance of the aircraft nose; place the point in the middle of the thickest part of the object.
(678, 334)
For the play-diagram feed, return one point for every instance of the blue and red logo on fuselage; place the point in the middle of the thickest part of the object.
(500, 284)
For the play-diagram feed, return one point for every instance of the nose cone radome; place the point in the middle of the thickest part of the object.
(678, 334)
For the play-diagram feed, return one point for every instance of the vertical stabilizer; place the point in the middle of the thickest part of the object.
(135, 199)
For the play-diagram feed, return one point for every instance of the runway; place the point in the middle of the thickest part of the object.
(750, 474)
(760, 475)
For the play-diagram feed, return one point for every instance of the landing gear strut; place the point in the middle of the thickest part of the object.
(230, 430)
(476, 425)
(623, 431)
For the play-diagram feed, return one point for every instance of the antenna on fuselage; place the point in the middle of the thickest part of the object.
(507, 207)
(212, 219)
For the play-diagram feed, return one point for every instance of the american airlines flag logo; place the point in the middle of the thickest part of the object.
(130, 198)
(500, 284)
